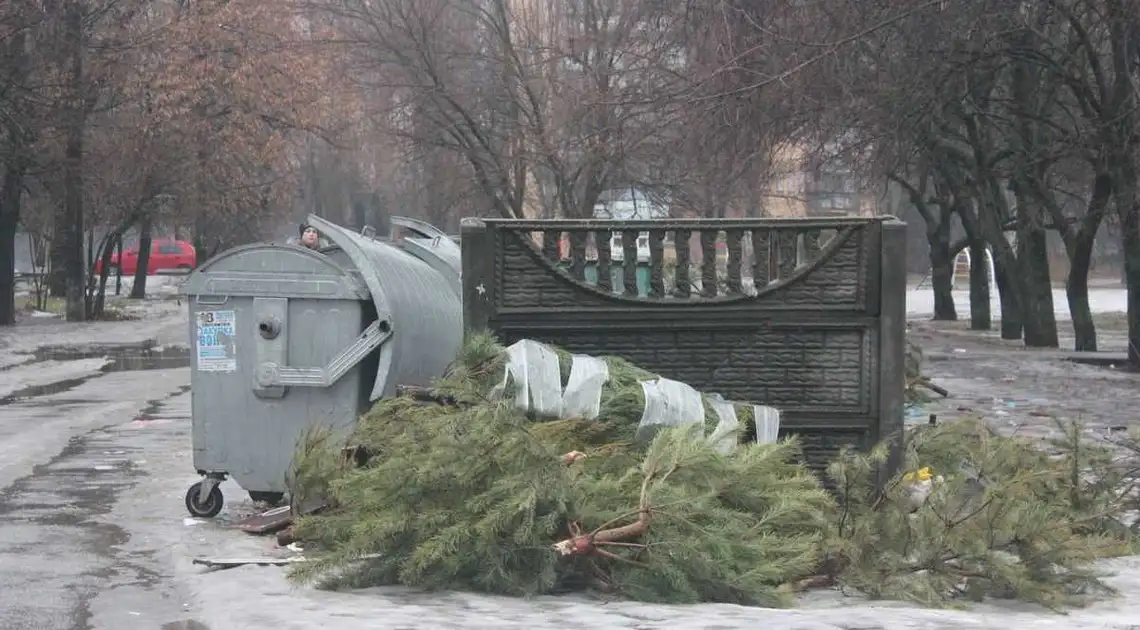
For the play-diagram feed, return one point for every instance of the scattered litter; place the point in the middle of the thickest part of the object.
(141, 422)
(189, 522)
(229, 563)
(267, 522)
(915, 413)
(294, 547)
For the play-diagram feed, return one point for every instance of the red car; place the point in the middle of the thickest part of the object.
(164, 254)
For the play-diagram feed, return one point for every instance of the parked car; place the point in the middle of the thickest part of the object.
(165, 254)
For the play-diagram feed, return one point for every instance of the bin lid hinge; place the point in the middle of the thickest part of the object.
(272, 375)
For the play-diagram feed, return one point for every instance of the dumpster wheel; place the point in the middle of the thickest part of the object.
(204, 509)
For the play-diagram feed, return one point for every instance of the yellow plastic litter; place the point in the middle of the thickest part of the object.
(923, 474)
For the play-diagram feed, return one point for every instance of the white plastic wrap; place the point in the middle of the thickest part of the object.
(767, 424)
(534, 368)
(725, 436)
(668, 403)
(538, 380)
(583, 395)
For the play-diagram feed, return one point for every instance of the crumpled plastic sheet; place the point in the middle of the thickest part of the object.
(724, 437)
(767, 424)
(582, 397)
(533, 366)
(668, 403)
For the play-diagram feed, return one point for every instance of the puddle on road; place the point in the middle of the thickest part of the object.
(35, 391)
(122, 358)
(187, 624)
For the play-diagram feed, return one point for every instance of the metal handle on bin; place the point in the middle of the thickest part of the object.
(217, 301)
(273, 375)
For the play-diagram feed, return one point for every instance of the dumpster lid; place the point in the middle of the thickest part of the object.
(402, 286)
(433, 246)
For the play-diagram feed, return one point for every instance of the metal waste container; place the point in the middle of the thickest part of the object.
(286, 338)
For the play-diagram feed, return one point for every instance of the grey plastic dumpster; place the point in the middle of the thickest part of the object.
(286, 338)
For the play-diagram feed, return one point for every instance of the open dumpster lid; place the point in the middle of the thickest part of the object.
(417, 297)
(433, 246)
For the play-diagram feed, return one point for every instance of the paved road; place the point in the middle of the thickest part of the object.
(93, 535)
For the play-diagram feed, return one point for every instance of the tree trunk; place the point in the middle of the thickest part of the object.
(138, 290)
(1127, 202)
(10, 197)
(119, 267)
(1077, 293)
(1131, 243)
(1038, 316)
(74, 272)
(106, 247)
(942, 271)
(1011, 319)
(15, 61)
(980, 316)
(56, 280)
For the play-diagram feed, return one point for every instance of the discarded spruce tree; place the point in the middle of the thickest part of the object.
(464, 488)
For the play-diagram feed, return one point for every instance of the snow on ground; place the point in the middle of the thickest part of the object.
(156, 286)
(160, 318)
(920, 302)
(159, 540)
(260, 598)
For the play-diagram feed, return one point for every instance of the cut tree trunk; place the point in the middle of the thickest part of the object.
(980, 316)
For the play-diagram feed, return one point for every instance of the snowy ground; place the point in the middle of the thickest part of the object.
(93, 533)
(920, 302)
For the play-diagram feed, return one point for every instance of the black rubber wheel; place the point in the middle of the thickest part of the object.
(209, 508)
(272, 498)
